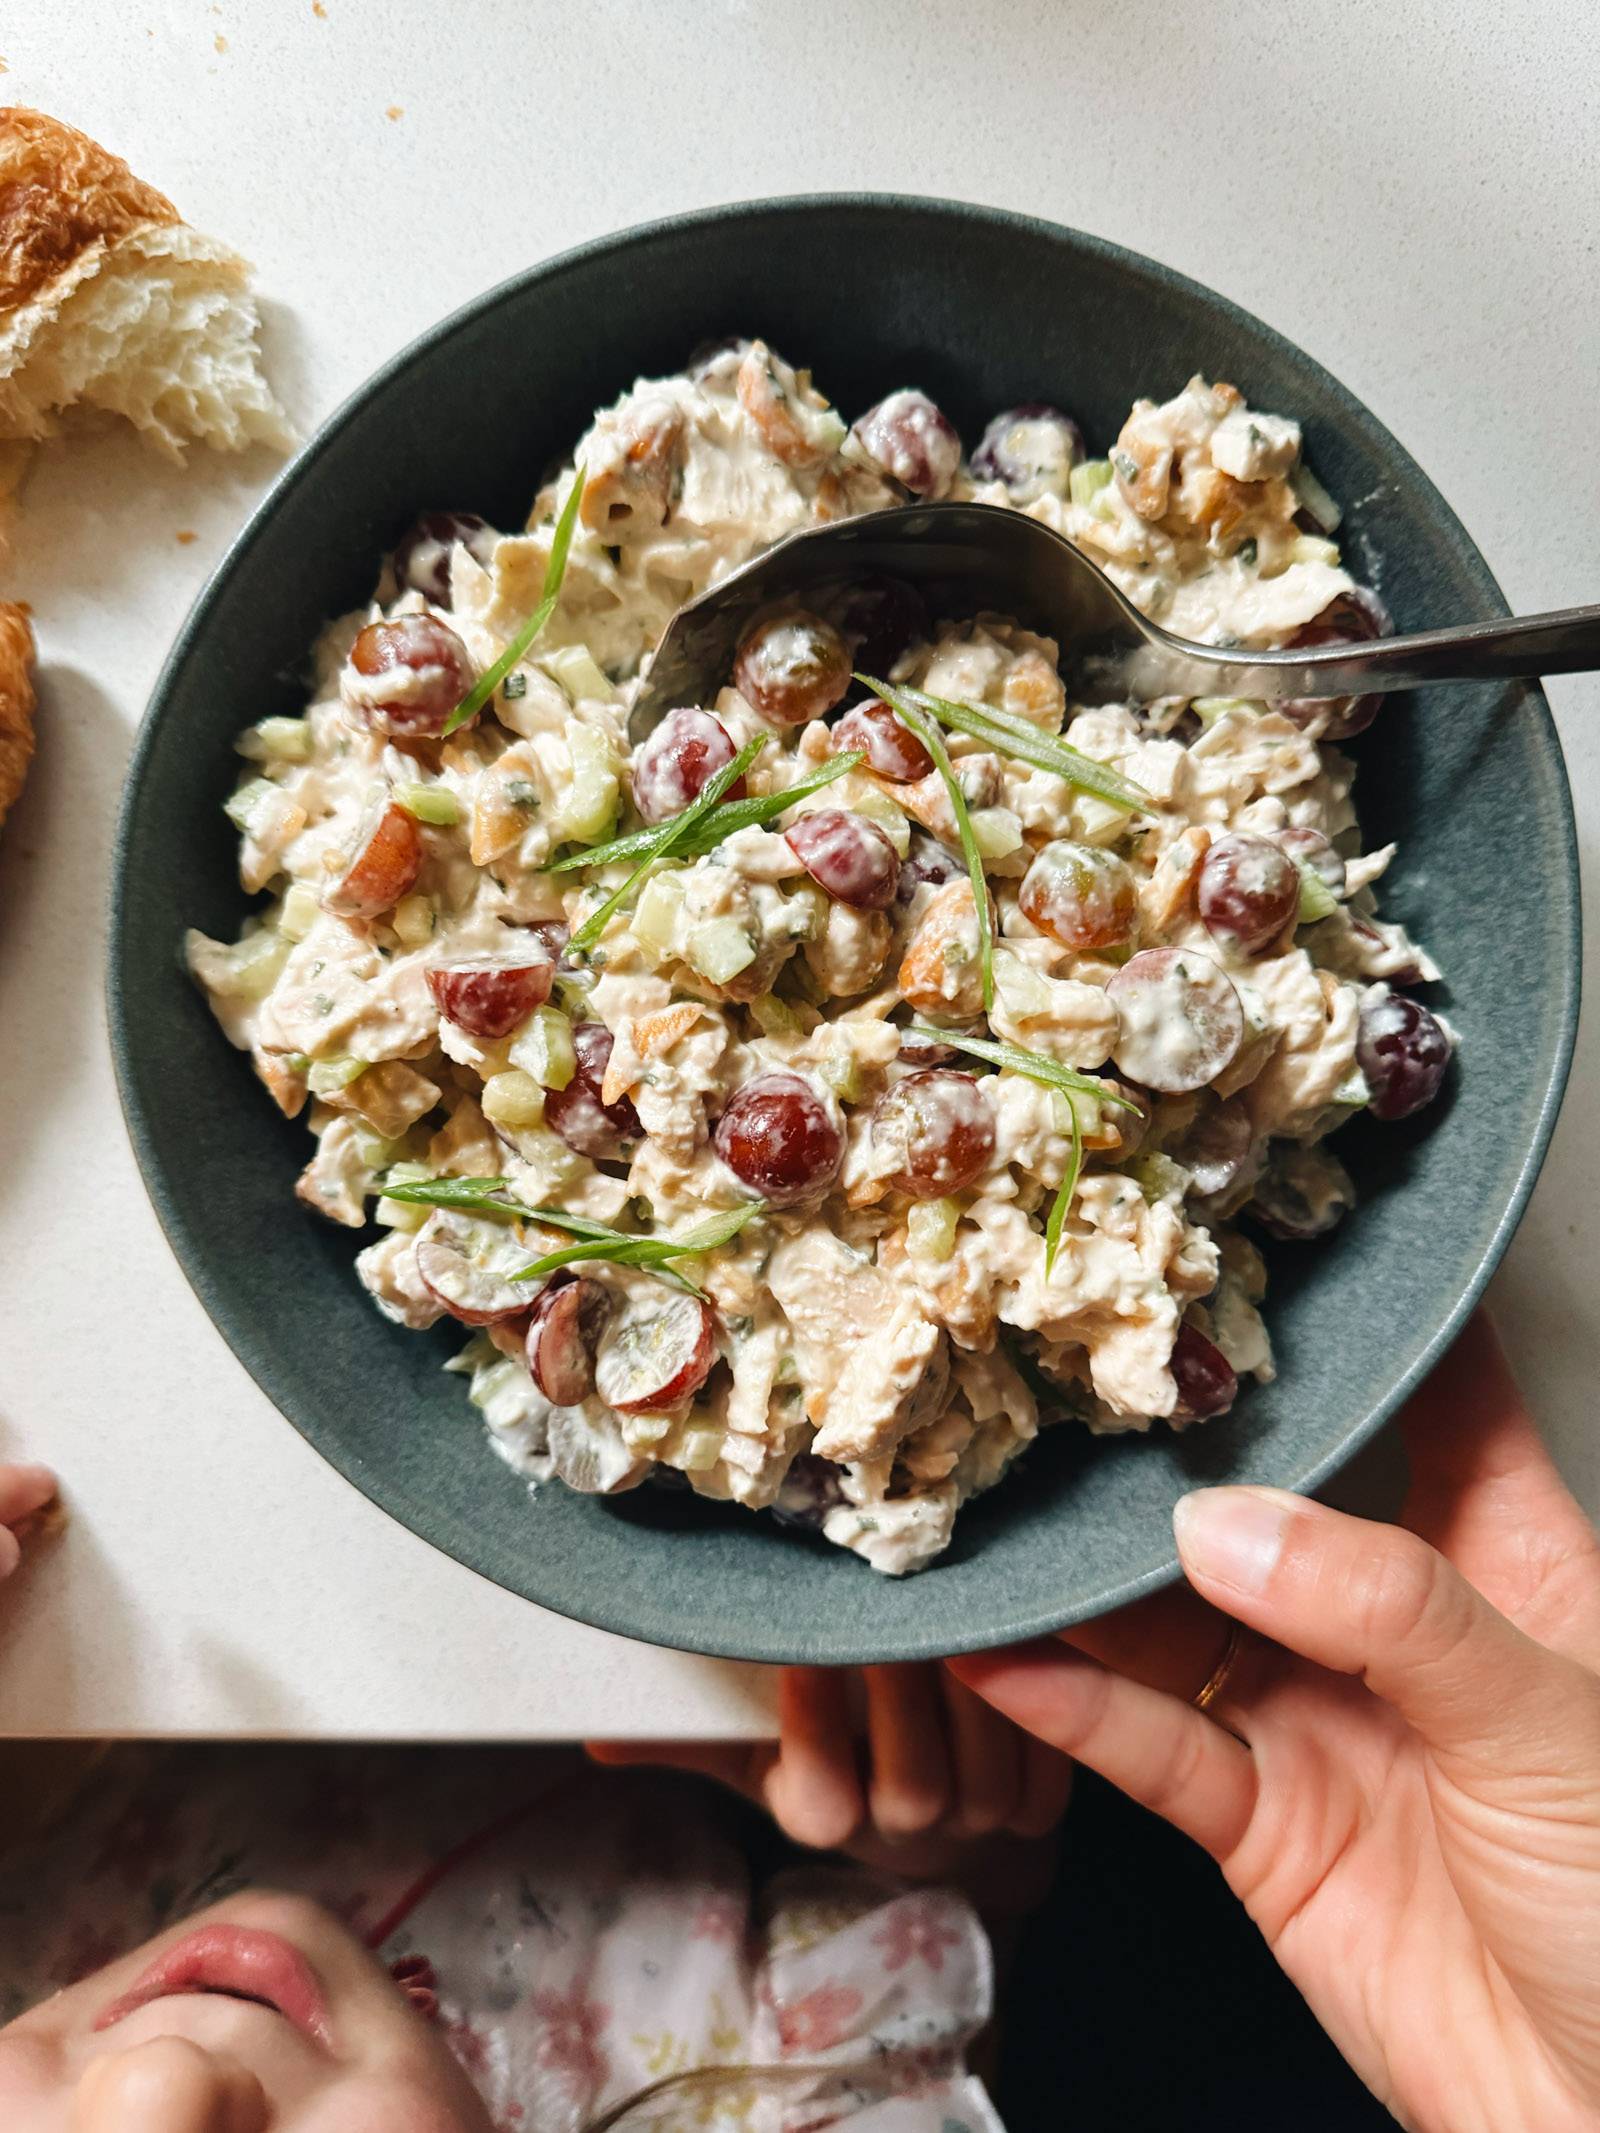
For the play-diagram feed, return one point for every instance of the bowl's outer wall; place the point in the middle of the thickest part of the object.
(982, 309)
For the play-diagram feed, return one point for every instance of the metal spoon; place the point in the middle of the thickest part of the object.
(968, 558)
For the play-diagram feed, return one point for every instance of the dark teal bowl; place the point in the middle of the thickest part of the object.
(983, 309)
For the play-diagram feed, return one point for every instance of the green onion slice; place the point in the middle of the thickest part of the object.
(917, 722)
(1010, 734)
(1061, 1205)
(593, 1240)
(1034, 1064)
(555, 570)
(670, 837)
(724, 821)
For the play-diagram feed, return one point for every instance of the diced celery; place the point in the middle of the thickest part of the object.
(400, 1214)
(775, 1017)
(1158, 1177)
(572, 989)
(300, 912)
(1314, 499)
(841, 1070)
(407, 1174)
(574, 667)
(376, 1150)
(414, 919)
(1086, 480)
(1354, 1090)
(719, 949)
(241, 808)
(276, 740)
(699, 1451)
(1308, 548)
(1021, 988)
(249, 969)
(1317, 900)
(997, 830)
(326, 1077)
(879, 808)
(931, 1230)
(430, 803)
(1208, 709)
(588, 806)
(544, 1050)
(643, 1431)
(656, 914)
(513, 1099)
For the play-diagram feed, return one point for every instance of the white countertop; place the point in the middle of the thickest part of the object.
(1407, 192)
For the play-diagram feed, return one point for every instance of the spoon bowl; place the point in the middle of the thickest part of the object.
(970, 558)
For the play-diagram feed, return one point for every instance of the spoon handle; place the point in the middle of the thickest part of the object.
(1566, 641)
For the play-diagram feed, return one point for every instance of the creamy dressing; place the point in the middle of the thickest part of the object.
(878, 1355)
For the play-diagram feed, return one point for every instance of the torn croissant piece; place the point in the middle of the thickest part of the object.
(16, 701)
(109, 300)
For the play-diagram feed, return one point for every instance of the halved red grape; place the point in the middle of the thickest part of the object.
(488, 995)
(912, 440)
(1302, 1193)
(1355, 617)
(587, 1125)
(937, 1129)
(655, 1355)
(405, 677)
(569, 1315)
(1180, 1019)
(1309, 848)
(674, 763)
(792, 667)
(1248, 891)
(919, 1051)
(422, 554)
(467, 1264)
(1080, 895)
(1032, 449)
(848, 855)
(1403, 1052)
(891, 751)
(778, 1137)
(879, 618)
(380, 865)
(1205, 1378)
(1216, 1147)
(927, 865)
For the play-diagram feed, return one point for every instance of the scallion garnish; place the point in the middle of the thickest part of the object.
(668, 839)
(593, 1240)
(1009, 734)
(555, 570)
(655, 1254)
(1062, 1203)
(1034, 1064)
(917, 722)
(724, 821)
(489, 1196)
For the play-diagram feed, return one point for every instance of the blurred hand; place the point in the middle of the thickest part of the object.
(899, 1766)
(25, 1491)
(1404, 1786)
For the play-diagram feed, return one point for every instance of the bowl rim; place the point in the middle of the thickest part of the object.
(766, 1642)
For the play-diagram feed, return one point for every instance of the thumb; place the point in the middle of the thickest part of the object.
(1374, 1600)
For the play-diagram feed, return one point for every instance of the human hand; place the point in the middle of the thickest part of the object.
(25, 1491)
(1404, 1788)
(899, 1766)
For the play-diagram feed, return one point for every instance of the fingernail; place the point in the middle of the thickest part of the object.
(10, 1551)
(1232, 1537)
